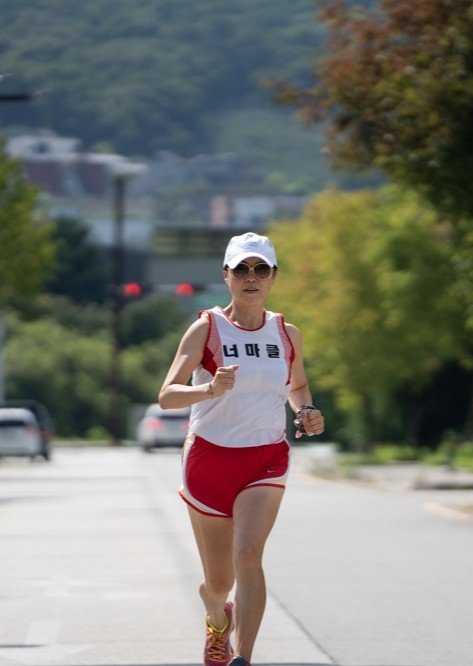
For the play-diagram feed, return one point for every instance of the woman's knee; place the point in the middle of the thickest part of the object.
(247, 557)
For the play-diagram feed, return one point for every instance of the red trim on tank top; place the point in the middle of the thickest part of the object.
(289, 352)
(212, 355)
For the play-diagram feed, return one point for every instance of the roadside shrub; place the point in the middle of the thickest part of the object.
(98, 434)
(438, 457)
(388, 453)
(464, 456)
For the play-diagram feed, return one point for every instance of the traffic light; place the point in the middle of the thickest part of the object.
(184, 289)
(132, 290)
(129, 291)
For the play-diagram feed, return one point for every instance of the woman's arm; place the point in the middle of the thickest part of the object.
(175, 391)
(300, 394)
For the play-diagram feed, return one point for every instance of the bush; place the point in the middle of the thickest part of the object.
(464, 456)
(389, 453)
(381, 454)
(98, 433)
(451, 452)
(438, 457)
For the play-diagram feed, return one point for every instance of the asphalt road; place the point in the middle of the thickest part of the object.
(98, 567)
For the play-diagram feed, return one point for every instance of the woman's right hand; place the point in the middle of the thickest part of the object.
(224, 380)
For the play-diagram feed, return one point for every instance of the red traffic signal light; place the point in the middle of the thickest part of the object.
(184, 289)
(132, 290)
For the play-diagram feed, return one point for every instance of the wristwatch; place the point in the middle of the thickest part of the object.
(298, 420)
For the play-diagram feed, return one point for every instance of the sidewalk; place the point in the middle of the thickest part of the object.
(403, 477)
(414, 476)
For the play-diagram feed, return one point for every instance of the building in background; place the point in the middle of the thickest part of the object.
(179, 213)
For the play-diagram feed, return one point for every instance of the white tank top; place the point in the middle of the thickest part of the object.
(252, 413)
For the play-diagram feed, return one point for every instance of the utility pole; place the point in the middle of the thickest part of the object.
(116, 386)
(2, 362)
(121, 171)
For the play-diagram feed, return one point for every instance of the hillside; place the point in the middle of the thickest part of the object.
(145, 75)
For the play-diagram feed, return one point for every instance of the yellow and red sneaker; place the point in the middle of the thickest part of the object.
(218, 651)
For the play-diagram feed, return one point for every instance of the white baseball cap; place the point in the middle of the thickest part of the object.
(248, 245)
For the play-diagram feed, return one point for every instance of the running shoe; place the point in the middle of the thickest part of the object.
(218, 650)
(238, 661)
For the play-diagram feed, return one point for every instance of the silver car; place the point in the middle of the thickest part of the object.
(163, 427)
(20, 434)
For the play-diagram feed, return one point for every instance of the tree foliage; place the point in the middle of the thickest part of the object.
(26, 247)
(69, 371)
(147, 320)
(150, 74)
(152, 319)
(81, 272)
(395, 85)
(379, 305)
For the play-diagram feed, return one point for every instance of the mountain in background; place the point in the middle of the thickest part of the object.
(143, 76)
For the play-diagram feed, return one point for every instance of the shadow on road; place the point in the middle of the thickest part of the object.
(266, 663)
(162, 663)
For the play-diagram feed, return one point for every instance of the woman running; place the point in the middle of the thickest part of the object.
(245, 363)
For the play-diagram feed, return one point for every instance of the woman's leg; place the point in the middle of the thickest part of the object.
(254, 513)
(214, 537)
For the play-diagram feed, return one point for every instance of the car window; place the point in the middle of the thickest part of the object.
(13, 423)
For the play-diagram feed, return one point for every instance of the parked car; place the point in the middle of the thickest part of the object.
(163, 427)
(43, 422)
(20, 434)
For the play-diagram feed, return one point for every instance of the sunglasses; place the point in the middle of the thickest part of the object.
(242, 271)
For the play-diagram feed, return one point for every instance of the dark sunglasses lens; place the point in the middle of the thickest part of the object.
(262, 271)
(241, 271)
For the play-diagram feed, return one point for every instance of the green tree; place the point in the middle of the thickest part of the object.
(394, 84)
(26, 246)
(376, 279)
(81, 271)
(151, 319)
(69, 371)
(150, 75)
(84, 318)
(394, 88)
(66, 371)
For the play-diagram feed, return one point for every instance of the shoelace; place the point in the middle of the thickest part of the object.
(217, 644)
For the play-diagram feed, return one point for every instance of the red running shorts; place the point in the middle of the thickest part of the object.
(213, 476)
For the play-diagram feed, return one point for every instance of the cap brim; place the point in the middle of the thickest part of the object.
(237, 259)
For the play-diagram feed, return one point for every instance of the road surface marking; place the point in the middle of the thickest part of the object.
(447, 512)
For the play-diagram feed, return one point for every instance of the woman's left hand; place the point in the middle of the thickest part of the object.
(312, 421)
